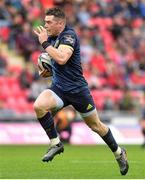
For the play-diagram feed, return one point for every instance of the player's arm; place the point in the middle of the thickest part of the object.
(61, 55)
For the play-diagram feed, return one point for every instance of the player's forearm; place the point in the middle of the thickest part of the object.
(57, 55)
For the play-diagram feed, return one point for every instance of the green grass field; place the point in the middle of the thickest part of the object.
(77, 162)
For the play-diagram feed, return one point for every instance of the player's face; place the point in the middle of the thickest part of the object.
(52, 25)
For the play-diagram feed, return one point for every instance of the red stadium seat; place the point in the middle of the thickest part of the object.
(99, 103)
(96, 94)
(116, 95)
(34, 57)
(4, 33)
(2, 80)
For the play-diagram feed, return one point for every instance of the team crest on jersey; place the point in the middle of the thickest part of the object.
(69, 39)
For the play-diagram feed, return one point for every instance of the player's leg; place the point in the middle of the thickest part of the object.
(84, 104)
(93, 121)
(44, 106)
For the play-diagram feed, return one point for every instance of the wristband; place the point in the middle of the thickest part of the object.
(45, 44)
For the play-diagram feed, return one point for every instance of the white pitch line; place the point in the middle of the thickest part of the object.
(102, 162)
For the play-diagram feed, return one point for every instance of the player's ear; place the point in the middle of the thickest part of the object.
(61, 22)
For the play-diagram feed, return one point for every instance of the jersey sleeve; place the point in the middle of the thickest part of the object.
(68, 39)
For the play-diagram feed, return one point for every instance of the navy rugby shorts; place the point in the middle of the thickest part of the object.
(82, 101)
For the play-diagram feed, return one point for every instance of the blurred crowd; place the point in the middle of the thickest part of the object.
(112, 36)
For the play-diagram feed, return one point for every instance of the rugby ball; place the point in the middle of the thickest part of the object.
(44, 64)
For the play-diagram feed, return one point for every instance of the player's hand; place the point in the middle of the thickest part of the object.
(43, 73)
(41, 32)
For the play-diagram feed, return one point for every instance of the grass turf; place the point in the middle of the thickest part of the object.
(77, 162)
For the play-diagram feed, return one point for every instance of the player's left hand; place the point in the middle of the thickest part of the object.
(43, 72)
(41, 32)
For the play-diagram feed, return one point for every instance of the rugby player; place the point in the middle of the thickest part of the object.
(68, 86)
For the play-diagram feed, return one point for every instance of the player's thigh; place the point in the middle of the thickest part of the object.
(82, 102)
(48, 100)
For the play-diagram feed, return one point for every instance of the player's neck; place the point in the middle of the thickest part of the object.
(62, 29)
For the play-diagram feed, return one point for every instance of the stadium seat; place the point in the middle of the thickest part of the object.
(34, 57)
(2, 81)
(4, 33)
(116, 95)
(99, 103)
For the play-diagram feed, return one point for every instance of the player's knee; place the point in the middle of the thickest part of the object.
(39, 109)
(38, 106)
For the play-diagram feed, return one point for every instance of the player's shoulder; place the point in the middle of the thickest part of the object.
(69, 31)
(69, 37)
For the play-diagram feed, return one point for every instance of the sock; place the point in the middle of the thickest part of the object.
(110, 141)
(54, 141)
(117, 153)
(48, 125)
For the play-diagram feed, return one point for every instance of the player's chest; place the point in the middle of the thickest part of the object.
(55, 43)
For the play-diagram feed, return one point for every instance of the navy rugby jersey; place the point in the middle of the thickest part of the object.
(68, 77)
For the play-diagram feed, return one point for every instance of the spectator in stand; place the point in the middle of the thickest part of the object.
(86, 50)
(109, 104)
(26, 42)
(25, 79)
(36, 87)
(97, 39)
(16, 29)
(33, 12)
(83, 14)
(117, 27)
(3, 64)
(5, 17)
(127, 102)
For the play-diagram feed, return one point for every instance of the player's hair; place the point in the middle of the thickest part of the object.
(56, 12)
